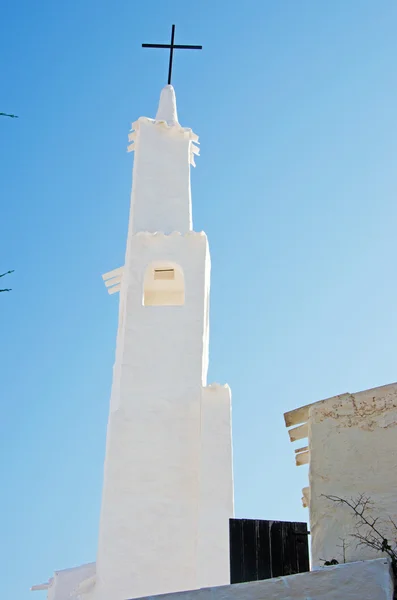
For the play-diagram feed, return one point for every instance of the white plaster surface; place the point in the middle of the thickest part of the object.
(353, 449)
(368, 580)
(164, 527)
(167, 106)
(216, 487)
(161, 197)
(64, 584)
(168, 482)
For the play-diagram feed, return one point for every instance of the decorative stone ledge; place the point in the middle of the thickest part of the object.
(173, 128)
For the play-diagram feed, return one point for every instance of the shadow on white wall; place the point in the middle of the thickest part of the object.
(164, 285)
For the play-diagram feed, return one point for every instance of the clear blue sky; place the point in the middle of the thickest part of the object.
(295, 104)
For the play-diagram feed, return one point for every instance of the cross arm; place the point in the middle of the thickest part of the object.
(171, 47)
(178, 46)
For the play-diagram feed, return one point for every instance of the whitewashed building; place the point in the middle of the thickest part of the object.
(168, 484)
(352, 454)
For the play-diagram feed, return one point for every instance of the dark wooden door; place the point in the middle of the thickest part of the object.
(265, 549)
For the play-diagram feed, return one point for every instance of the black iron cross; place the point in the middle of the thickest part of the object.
(172, 46)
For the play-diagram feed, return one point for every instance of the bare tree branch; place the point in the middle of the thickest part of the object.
(360, 506)
(344, 545)
(368, 531)
(3, 275)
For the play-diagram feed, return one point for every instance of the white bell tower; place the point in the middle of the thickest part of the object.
(168, 483)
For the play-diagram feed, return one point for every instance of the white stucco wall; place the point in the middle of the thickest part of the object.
(353, 451)
(168, 440)
(216, 487)
(161, 198)
(150, 504)
(369, 580)
(168, 488)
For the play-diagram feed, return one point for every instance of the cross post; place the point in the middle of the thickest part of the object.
(172, 47)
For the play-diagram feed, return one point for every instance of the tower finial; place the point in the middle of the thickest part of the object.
(167, 106)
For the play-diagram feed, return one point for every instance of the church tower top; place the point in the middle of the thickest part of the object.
(164, 152)
(167, 106)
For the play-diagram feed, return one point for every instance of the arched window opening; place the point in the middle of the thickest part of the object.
(164, 285)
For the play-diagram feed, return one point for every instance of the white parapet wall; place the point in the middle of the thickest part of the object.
(366, 580)
(352, 443)
(352, 456)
